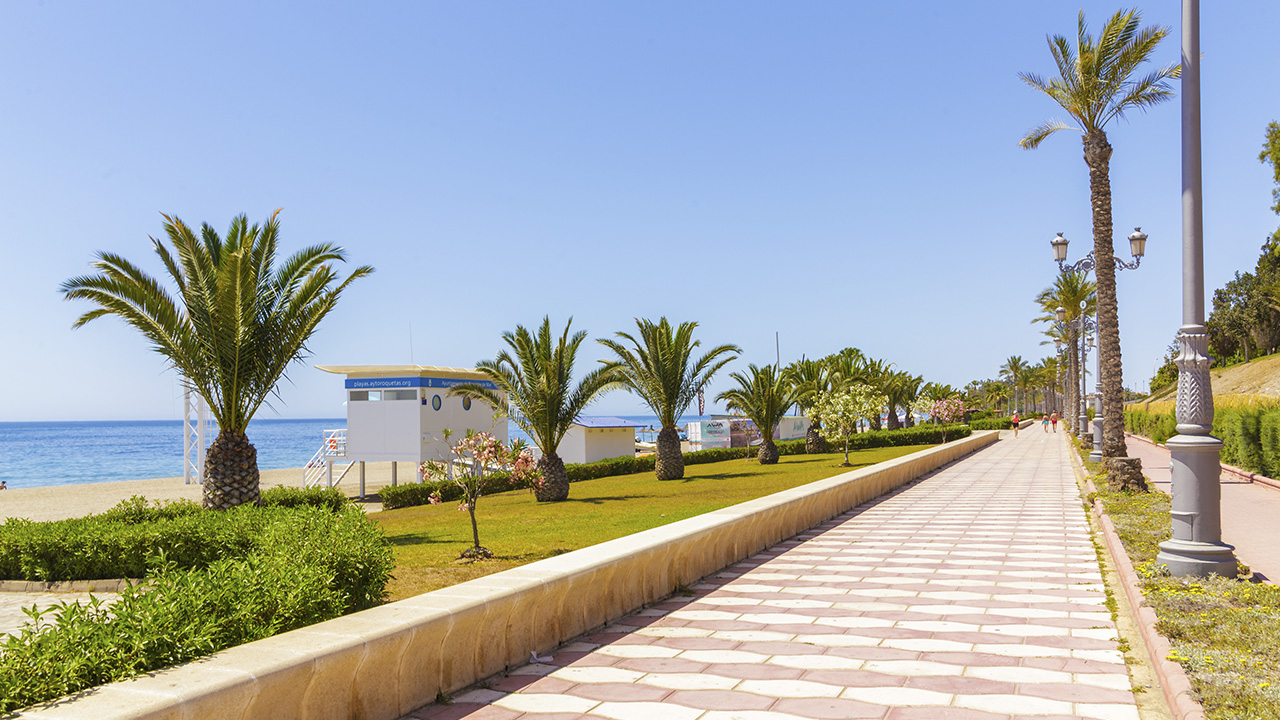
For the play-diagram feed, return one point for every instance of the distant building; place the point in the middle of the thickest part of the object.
(598, 438)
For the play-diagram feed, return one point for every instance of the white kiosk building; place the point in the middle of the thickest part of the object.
(400, 412)
(598, 438)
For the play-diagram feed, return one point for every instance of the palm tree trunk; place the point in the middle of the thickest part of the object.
(768, 454)
(892, 418)
(555, 481)
(669, 463)
(1097, 154)
(814, 443)
(230, 472)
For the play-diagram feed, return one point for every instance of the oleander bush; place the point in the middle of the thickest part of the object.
(412, 494)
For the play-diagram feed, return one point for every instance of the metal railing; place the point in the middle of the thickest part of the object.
(332, 449)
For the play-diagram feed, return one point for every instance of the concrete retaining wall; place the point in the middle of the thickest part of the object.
(385, 662)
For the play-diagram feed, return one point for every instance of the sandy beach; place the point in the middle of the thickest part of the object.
(68, 501)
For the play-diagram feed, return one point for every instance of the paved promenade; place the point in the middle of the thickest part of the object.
(974, 594)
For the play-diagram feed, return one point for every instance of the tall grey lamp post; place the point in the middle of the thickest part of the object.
(1096, 454)
(1138, 248)
(1196, 547)
(1057, 346)
(1082, 422)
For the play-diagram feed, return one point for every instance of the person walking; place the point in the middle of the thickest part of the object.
(1044, 423)
(1017, 422)
(1053, 420)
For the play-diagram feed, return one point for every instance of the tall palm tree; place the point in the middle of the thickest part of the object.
(232, 329)
(1012, 371)
(1068, 291)
(810, 378)
(535, 390)
(659, 367)
(763, 395)
(1097, 83)
(900, 388)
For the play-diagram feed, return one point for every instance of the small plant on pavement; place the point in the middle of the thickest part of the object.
(839, 412)
(476, 457)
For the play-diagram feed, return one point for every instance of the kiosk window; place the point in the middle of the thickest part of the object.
(399, 394)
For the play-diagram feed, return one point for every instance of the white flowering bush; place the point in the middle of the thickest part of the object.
(839, 412)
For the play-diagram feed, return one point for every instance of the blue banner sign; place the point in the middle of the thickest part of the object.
(412, 382)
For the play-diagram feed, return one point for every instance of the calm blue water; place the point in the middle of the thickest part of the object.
(72, 453)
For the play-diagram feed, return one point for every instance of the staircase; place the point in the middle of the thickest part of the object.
(333, 450)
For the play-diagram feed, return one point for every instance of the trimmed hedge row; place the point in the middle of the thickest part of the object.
(212, 580)
(412, 494)
(995, 423)
(1250, 435)
(125, 541)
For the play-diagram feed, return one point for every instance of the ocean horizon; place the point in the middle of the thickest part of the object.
(78, 452)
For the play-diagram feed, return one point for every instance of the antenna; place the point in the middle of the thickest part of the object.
(777, 346)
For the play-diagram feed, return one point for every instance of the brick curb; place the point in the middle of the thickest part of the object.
(1174, 683)
(1232, 469)
(67, 586)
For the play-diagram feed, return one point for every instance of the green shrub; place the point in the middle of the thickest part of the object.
(991, 424)
(284, 496)
(1238, 430)
(1269, 440)
(119, 544)
(179, 615)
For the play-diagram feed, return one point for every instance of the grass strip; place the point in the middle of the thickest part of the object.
(428, 539)
(1224, 632)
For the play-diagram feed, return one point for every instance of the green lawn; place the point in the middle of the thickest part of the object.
(428, 539)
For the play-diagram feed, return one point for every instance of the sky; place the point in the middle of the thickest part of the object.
(829, 174)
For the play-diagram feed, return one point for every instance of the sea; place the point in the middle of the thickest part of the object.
(37, 454)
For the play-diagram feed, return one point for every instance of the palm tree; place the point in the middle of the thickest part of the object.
(535, 389)
(763, 395)
(660, 368)
(1068, 291)
(900, 388)
(1096, 84)
(810, 378)
(1012, 371)
(235, 325)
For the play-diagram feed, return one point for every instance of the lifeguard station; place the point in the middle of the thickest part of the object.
(399, 413)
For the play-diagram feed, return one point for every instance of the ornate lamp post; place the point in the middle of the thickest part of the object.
(1057, 347)
(1196, 547)
(1082, 421)
(1137, 248)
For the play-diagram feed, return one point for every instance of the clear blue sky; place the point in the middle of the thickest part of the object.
(843, 173)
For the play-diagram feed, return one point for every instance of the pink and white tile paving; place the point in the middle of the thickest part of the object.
(974, 594)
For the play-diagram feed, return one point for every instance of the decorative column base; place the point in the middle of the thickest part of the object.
(1095, 455)
(1196, 548)
(1196, 559)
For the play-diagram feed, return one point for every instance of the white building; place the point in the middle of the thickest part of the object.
(598, 438)
(400, 412)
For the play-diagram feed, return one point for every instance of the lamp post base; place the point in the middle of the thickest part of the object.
(1095, 455)
(1197, 559)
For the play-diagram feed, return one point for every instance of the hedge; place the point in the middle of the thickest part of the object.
(212, 580)
(412, 494)
(125, 541)
(995, 423)
(1250, 434)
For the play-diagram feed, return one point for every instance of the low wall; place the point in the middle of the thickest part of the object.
(382, 663)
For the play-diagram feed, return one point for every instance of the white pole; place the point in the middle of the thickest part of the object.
(186, 436)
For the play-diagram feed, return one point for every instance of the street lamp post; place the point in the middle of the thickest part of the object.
(1196, 547)
(1137, 248)
(1057, 346)
(1082, 422)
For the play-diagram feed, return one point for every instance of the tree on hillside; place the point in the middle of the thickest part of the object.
(658, 364)
(763, 395)
(1097, 82)
(536, 391)
(231, 325)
